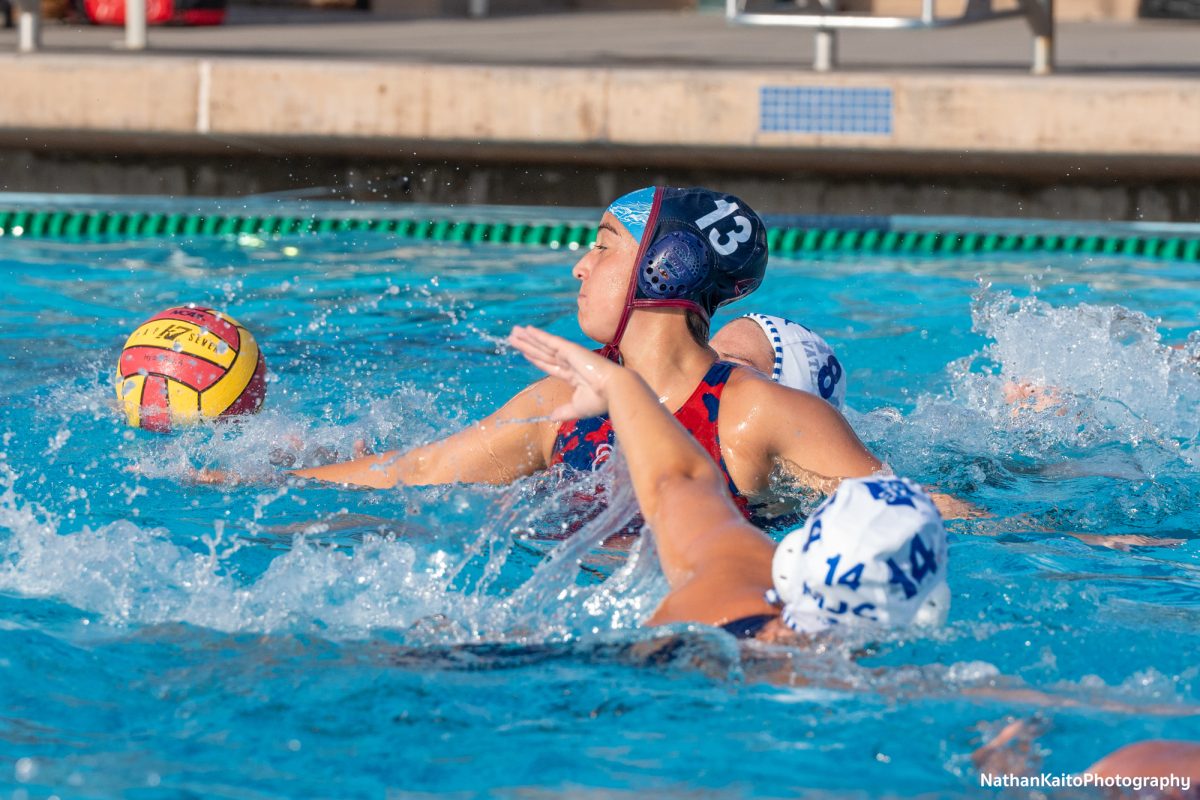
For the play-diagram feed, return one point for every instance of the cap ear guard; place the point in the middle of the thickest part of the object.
(675, 266)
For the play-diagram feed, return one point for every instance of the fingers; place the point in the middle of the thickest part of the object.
(550, 366)
(532, 348)
(543, 350)
(532, 334)
(533, 340)
(555, 348)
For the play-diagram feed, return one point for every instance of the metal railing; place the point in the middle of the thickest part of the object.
(29, 25)
(826, 22)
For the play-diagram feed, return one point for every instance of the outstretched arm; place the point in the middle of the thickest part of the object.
(717, 564)
(506, 445)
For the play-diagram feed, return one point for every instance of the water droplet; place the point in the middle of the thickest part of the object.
(177, 346)
(126, 388)
(25, 769)
(143, 372)
(222, 348)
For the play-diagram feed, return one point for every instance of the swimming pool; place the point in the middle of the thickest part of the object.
(161, 639)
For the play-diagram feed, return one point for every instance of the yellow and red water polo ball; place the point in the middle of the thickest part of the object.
(188, 363)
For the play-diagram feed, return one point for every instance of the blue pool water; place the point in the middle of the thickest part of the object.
(163, 639)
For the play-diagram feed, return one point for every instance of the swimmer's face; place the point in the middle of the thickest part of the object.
(604, 274)
(743, 342)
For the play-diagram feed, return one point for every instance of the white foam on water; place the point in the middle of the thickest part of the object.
(131, 575)
(1108, 365)
(1105, 397)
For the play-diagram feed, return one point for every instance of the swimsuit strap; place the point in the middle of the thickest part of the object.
(700, 413)
(585, 444)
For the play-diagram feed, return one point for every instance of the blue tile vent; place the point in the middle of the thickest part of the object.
(825, 109)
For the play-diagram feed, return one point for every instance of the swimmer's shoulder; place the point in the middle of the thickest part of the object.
(748, 390)
(756, 412)
(534, 403)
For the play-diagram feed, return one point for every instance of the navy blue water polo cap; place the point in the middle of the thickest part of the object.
(698, 249)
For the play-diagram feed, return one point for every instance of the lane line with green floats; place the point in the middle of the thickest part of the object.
(92, 225)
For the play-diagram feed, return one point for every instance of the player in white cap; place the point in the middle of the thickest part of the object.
(873, 554)
(874, 551)
(786, 352)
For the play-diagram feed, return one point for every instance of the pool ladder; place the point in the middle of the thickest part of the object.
(828, 21)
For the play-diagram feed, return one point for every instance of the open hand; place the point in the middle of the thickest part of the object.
(586, 371)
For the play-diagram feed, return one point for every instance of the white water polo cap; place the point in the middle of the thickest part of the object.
(803, 360)
(874, 553)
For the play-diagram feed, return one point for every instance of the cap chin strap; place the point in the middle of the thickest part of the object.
(612, 350)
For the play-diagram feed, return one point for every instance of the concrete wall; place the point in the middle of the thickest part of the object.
(285, 104)
(1121, 147)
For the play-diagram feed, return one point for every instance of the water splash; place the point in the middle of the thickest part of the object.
(127, 574)
(1060, 397)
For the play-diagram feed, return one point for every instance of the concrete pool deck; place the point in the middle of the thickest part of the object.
(636, 89)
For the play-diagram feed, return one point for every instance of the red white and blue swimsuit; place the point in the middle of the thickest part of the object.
(585, 444)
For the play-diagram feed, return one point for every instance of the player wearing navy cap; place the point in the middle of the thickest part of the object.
(874, 554)
(664, 259)
(684, 259)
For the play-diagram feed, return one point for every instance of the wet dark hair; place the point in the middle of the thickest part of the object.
(697, 325)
